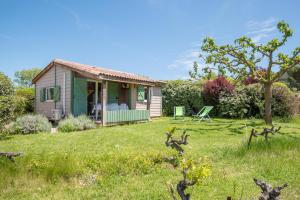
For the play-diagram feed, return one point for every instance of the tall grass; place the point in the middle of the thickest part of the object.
(276, 144)
(126, 162)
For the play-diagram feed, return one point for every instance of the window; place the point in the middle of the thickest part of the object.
(49, 94)
(142, 93)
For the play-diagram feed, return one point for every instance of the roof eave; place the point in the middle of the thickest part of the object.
(125, 80)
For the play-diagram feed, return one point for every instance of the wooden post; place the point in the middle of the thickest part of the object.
(96, 99)
(132, 97)
(104, 102)
(148, 100)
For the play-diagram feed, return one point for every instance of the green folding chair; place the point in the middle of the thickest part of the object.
(203, 113)
(179, 112)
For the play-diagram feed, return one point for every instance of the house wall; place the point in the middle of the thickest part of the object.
(48, 80)
(156, 102)
(136, 105)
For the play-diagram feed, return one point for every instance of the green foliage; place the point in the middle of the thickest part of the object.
(196, 170)
(6, 86)
(79, 123)
(24, 77)
(182, 93)
(244, 102)
(29, 124)
(245, 56)
(6, 110)
(197, 75)
(248, 101)
(19, 105)
(29, 96)
(10, 108)
(10, 105)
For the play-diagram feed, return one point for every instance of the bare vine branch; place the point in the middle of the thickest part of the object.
(268, 192)
(176, 143)
(264, 133)
(10, 155)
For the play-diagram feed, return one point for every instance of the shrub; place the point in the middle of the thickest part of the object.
(29, 124)
(182, 93)
(86, 122)
(28, 95)
(249, 80)
(19, 105)
(6, 100)
(6, 109)
(243, 102)
(284, 102)
(6, 86)
(79, 123)
(212, 91)
(10, 107)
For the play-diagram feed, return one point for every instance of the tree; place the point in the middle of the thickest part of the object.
(245, 57)
(24, 77)
(6, 86)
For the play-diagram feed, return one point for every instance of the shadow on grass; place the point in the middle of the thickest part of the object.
(259, 145)
(5, 137)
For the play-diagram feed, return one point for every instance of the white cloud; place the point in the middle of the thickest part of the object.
(252, 24)
(258, 30)
(74, 15)
(185, 60)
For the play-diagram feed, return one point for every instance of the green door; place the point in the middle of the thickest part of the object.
(79, 96)
(113, 92)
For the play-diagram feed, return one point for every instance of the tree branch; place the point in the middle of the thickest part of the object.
(10, 155)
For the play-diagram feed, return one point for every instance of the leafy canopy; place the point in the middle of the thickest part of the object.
(245, 57)
(24, 77)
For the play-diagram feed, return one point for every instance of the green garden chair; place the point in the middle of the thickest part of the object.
(203, 113)
(179, 112)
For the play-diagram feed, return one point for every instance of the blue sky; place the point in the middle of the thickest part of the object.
(157, 38)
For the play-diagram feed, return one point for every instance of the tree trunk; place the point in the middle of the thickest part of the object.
(268, 97)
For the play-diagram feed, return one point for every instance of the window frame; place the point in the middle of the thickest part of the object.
(146, 96)
(48, 93)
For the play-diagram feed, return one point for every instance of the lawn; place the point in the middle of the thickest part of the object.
(126, 162)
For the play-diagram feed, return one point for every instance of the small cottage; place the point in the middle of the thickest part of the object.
(107, 96)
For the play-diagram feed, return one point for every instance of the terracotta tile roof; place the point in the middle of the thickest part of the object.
(98, 71)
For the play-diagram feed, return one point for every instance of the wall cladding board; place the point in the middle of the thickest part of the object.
(48, 80)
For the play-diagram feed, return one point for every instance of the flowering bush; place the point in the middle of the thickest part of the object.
(79, 123)
(243, 102)
(29, 124)
(212, 91)
(284, 102)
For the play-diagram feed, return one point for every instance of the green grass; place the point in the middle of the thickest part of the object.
(126, 162)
